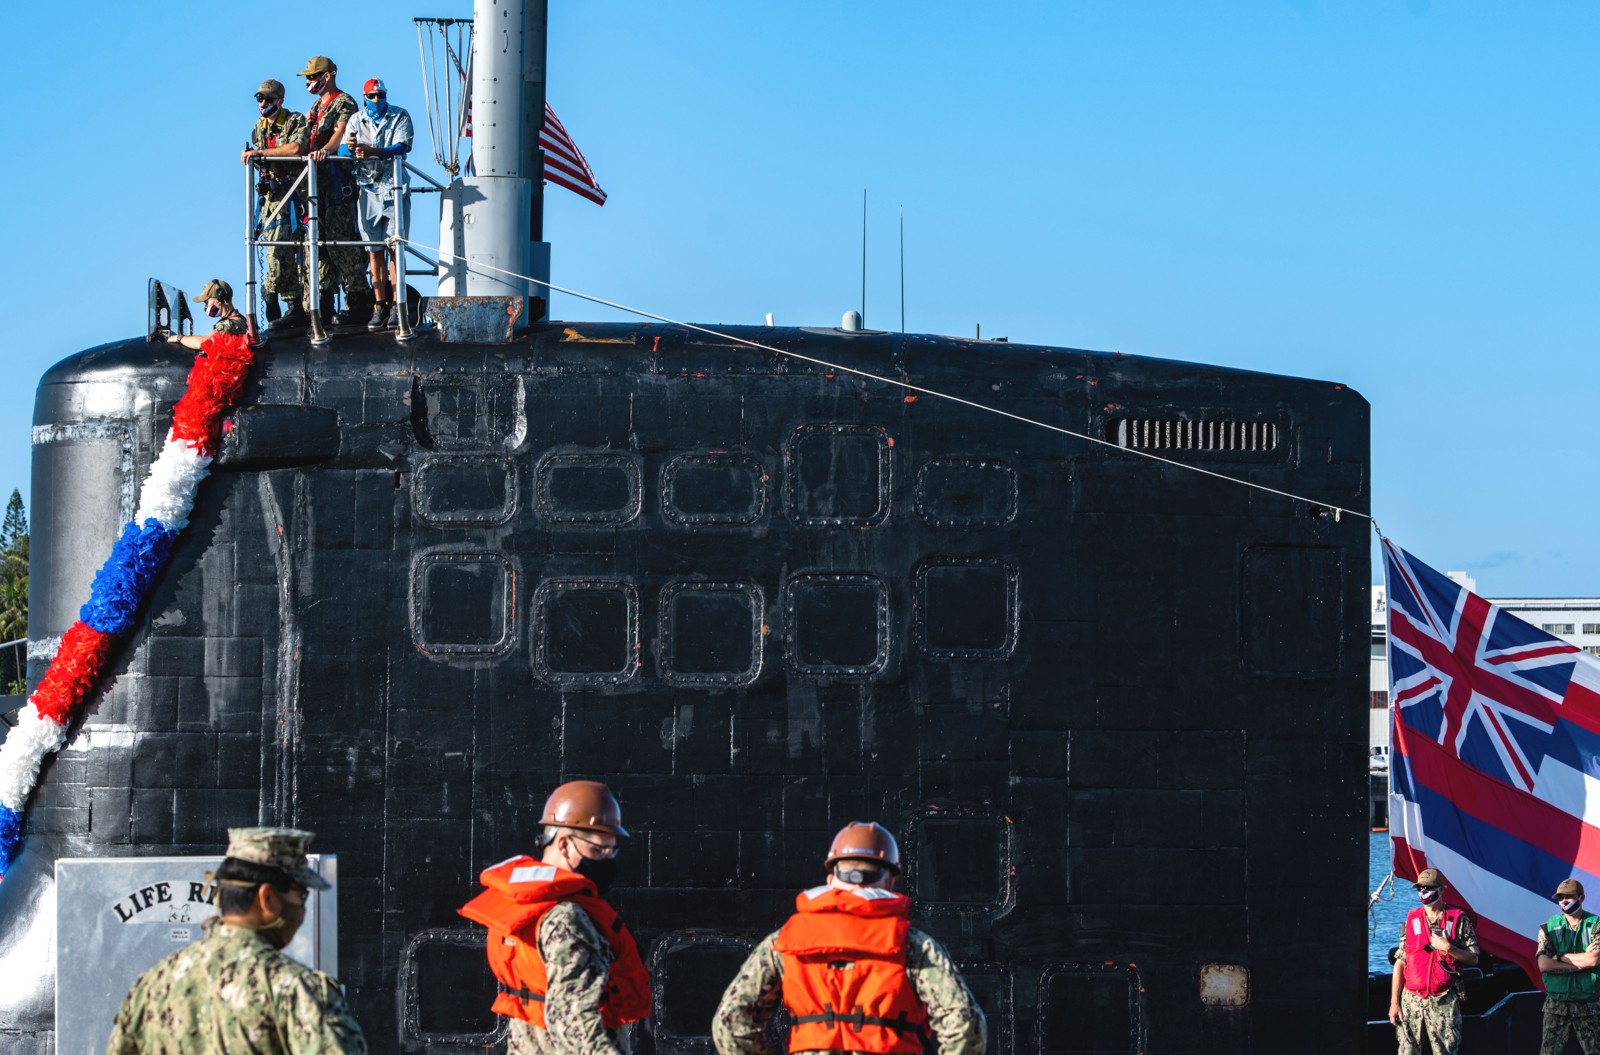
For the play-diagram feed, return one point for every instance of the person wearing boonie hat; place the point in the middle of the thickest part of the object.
(378, 135)
(278, 133)
(217, 296)
(1437, 939)
(852, 927)
(328, 120)
(1569, 961)
(234, 990)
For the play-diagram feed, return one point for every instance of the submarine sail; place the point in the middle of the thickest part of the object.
(1113, 708)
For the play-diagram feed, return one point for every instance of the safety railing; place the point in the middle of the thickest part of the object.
(260, 218)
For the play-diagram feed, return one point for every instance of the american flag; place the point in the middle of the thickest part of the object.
(564, 163)
(1494, 754)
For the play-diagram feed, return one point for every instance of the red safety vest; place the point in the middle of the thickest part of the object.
(314, 117)
(844, 974)
(520, 892)
(1428, 972)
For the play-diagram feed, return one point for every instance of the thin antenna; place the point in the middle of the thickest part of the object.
(902, 269)
(863, 256)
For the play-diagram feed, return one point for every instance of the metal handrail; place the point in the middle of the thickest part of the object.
(400, 197)
(436, 184)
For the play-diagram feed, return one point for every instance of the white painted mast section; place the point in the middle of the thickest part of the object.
(486, 217)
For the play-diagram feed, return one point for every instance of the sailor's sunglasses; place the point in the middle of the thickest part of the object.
(603, 851)
(374, 95)
(262, 98)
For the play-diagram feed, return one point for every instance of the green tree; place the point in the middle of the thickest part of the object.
(14, 594)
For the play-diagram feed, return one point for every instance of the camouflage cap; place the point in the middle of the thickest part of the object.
(1569, 888)
(215, 288)
(271, 87)
(280, 848)
(318, 64)
(1430, 877)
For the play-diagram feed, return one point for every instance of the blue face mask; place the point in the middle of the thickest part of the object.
(376, 108)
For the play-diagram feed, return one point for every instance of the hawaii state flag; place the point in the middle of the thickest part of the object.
(1494, 758)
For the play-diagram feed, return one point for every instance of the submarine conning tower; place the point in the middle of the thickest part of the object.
(1112, 708)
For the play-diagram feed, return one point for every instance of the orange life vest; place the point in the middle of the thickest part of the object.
(844, 973)
(1429, 972)
(520, 892)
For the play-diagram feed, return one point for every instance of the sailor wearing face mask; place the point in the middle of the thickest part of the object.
(569, 971)
(378, 135)
(1569, 950)
(326, 123)
(278, 133)
(854, 975)
(217, 296)
(233, 990)
(1436, 941)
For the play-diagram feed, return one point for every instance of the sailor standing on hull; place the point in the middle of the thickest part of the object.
(853, 974)
(569, 971)
(1436, 940)
(1569, 950)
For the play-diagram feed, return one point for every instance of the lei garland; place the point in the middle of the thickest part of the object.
(124, 581)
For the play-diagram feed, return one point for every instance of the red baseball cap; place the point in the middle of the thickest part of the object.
(373, 85)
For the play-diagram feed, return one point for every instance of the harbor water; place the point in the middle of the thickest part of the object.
(1383, 922)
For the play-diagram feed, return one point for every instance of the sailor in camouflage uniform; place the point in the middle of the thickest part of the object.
(853, 975)
(280, 132)
(1436, 940)
(569, 972)
(233, 990)
(217, 296)
(1569, 952)
(327, 121)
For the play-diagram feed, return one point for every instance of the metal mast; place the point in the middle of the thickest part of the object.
(492, 222)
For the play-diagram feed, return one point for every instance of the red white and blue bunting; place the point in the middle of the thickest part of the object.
(124, 581)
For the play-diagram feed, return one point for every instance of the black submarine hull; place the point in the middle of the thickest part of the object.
(1114, 709)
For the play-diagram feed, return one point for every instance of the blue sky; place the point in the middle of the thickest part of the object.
(1394, 194)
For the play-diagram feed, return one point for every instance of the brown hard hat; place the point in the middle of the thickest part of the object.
(1569, 888)
(584, 804)
(1430, 877)
(866, 841)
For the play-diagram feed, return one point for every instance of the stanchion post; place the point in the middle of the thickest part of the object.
(250, 246)
(313, 237)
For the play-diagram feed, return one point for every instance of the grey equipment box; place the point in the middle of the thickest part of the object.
(117, 916)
